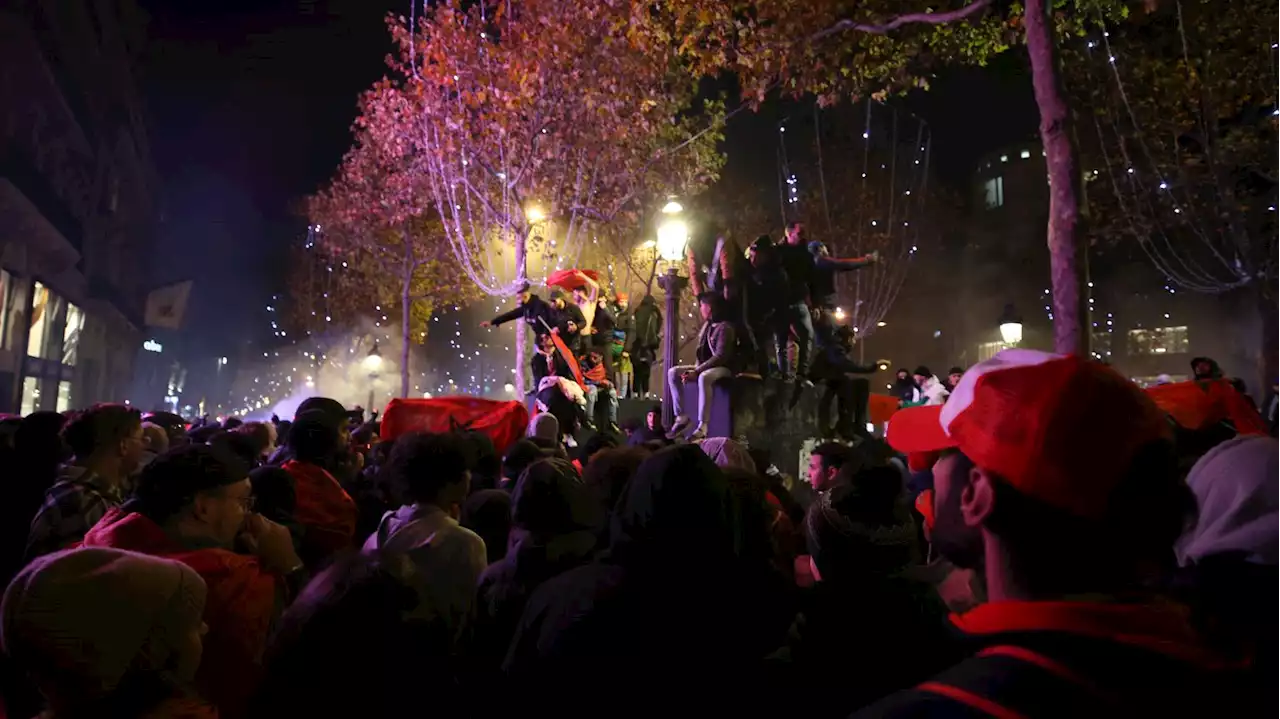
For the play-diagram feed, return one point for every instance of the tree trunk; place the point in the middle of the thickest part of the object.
(1070, 333)
(522, 274)
(406, 300)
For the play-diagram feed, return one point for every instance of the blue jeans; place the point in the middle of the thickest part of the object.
(623, 380)
(788, 318)
(593, 393)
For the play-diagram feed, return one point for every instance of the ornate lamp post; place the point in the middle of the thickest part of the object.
(673, 235)
(373, 364)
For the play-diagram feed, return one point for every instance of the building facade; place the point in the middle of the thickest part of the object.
(1141, 324)
(77, 213)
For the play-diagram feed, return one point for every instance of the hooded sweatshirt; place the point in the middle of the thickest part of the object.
(323, 508)
(449, 557)
(555, 523)
(97, 629)
(667, 608)
(1229, 557)
(244, 600)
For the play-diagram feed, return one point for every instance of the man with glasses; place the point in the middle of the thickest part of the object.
(194, 504)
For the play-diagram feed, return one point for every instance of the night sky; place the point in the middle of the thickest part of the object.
(250, 104)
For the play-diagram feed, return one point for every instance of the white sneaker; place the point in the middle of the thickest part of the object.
(678, 426)
(697, 434)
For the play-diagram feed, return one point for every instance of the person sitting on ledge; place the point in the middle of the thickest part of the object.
(716, 360)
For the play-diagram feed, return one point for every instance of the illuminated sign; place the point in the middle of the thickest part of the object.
(152, 346)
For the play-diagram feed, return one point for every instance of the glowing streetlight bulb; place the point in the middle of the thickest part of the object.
(535, 214)
(673, 235)
(672, 208)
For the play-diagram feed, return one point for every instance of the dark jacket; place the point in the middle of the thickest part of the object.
(765, 288)
(717, 345)
(822, 285)
(558, 366)
(535, 312)
(797, 262)
(1072, 659)
(668, 608)
(556, 521)
(624, 321)
(648, 325)
(574, 339)
(833, 361)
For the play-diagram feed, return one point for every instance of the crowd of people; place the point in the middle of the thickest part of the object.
(1044, 542)
(781, 292)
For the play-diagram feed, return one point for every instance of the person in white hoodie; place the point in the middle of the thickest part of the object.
(932, 390)
(429, 473)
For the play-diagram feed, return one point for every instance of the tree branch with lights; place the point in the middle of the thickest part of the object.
(837, 50)
(531, 125)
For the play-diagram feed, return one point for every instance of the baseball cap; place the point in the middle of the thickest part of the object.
(1061, 429)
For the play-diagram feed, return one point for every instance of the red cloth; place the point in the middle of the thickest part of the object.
(1200, 404)
(595, 374)
(241, 604)
(880, 408)
(324, 509)
(569, 359)
(569, 279)
(502, 422)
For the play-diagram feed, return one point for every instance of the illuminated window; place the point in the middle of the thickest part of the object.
(987, 350)
(1025, 154)
(64, 396)
(41, 322)
(71, 335)
(1158, 341)
(993, 192)
(1101, 342)
(30, 395)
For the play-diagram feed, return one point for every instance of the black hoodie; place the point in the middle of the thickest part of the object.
(667, 608)
(555, 525)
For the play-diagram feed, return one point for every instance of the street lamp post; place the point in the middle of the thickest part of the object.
(1010, 326)
(673, 235)
(373, 364)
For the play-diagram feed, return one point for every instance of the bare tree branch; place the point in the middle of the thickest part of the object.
(915, 18)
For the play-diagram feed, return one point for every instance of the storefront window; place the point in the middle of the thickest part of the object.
(71, 334)
(30, 395)
(39, 321)
(43, 340)
(1158, 341)
(64, 396)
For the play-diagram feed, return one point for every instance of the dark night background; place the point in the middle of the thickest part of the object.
(250, 105)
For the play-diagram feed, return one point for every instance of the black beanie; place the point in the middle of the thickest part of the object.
(174, 478)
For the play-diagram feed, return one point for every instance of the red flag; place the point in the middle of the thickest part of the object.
(569, 359)
(1199, 404)
(569, 279)
(503, 422)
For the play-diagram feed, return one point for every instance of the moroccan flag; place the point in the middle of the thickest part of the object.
(503, 422)
(569, 359)
(569, 280)
(1199, 404)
